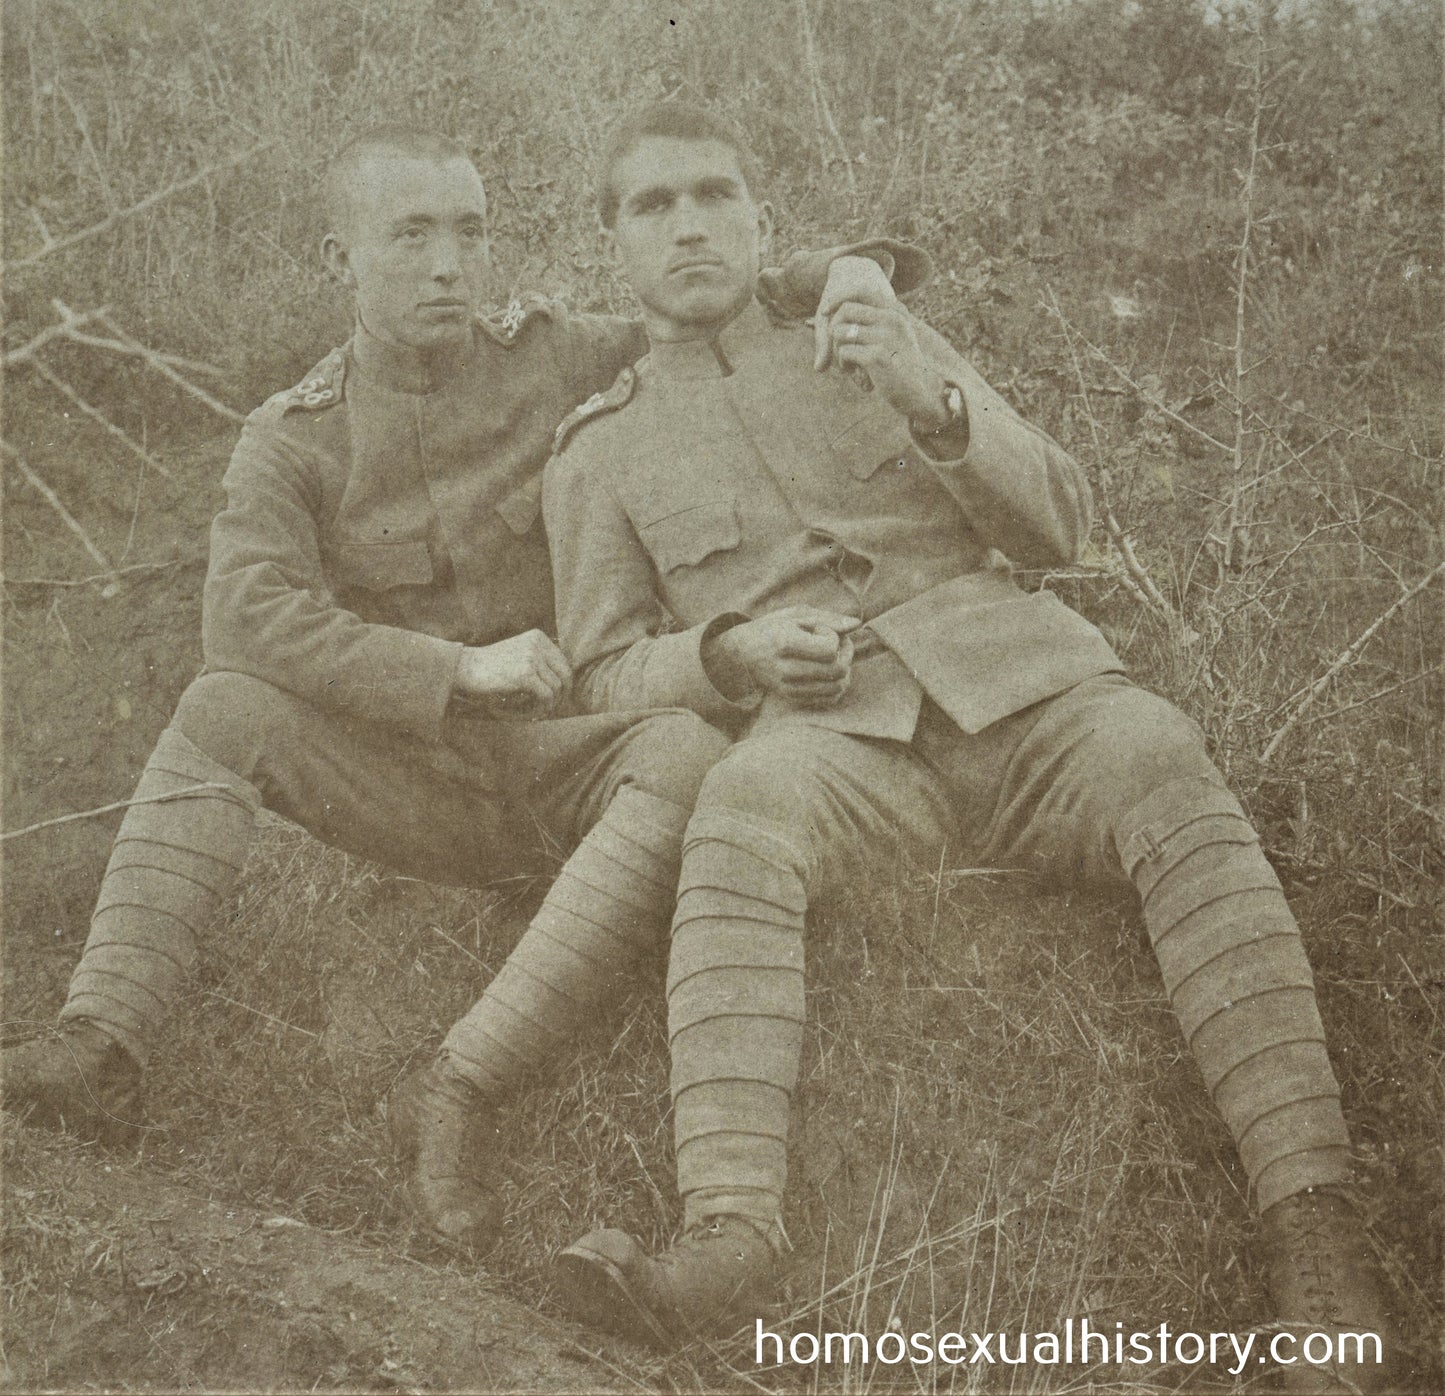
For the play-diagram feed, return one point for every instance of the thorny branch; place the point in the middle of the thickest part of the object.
(1303, 699)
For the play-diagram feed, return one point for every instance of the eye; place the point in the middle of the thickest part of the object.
(650, 203)
(475, 231)
(415, 233)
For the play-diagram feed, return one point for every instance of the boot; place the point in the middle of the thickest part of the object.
(721, 1273)
(445, 1139)
(76, 1078)
(1322, 1281)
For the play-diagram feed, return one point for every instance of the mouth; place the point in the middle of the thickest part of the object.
(695, 264)
(445, 303)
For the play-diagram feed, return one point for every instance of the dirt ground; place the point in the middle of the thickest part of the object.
(176, 1290)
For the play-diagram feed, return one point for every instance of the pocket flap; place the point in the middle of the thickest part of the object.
(519, 510)
(876, 437)
(379, 566)
(685, 538)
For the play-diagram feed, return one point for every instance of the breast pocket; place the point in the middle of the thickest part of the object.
(381, 566)
(687, 537)
(877, 437)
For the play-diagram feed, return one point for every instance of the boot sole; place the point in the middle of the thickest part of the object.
(595, 1291)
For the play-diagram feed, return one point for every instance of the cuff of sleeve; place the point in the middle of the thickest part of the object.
(418, 702)
(794, 288)
(686, 677)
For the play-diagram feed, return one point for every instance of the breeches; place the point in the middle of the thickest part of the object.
(463, 810)
(1042, 789)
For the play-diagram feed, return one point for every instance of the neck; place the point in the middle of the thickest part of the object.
(409, 368)
(662, 329)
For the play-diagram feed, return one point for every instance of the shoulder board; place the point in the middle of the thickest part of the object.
(322, 387)
(618, 395)
(504, 326)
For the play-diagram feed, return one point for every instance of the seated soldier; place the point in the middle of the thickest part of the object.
(811, 564)
(379, 598)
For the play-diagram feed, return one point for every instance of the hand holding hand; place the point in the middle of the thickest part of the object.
(523, 676)
(883, 344)
(859, 280)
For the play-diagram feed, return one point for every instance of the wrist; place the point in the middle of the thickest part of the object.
(940, 428)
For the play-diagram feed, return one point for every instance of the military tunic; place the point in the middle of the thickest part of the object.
(737, 481)
(731, 480)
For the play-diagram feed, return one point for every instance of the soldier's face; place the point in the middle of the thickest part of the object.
(688, 234)
(414, 249)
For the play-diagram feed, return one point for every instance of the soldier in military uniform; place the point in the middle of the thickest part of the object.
(813, 566)
(379, 669)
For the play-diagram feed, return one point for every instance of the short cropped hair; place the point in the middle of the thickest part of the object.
(675, 118)
(397, 138)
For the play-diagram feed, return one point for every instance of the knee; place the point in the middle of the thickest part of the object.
(230, 716)
(759, 782)
(677, 750)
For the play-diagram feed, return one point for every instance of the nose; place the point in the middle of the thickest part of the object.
(688, 226)
(446, 265)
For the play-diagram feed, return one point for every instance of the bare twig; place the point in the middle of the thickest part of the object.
(110, 809)
(280, 1022)
(1234, 525)
(820, 102)
(1135, 574)
(55, 502)
(1152, 399)
(120, 215)
(98, 417)
(65, 330)
(126, 344)
(1303, 699)
(99, 576)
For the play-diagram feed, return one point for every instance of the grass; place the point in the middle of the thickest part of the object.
(998, 1124)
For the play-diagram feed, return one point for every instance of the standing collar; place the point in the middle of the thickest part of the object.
(406, 370)
(711, 358)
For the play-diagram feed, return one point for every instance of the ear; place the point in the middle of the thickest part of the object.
(334, 257)
(607, 241)
(765, 230)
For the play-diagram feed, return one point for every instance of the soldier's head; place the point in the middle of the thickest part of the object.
(675, 194)
(407, 233)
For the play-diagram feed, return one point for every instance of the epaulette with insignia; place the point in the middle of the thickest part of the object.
(505, 326)
(322, 387)
(618, 395)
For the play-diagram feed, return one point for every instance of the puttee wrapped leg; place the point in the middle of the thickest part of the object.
(173, 864)
(735, 1014)
(1236, 972)
(609, 905)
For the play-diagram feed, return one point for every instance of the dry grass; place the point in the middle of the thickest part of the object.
(998, 1126)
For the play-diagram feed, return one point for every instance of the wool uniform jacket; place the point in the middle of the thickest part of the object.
(729, 480)
(385, 512)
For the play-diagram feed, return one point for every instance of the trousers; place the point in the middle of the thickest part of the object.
(1104, 784)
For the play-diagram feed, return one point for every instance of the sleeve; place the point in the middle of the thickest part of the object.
(795, 288)
(611, 624)
(269, 611)
(599, 347)
(1021, 492)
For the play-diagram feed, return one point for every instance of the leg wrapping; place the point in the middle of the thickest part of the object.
(609, 905)
(1237, 975)
(735, 1014)
(173, 864)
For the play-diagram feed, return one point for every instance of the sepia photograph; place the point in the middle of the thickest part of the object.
(723, 696)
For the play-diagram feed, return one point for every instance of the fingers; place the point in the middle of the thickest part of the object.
(810, 617)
